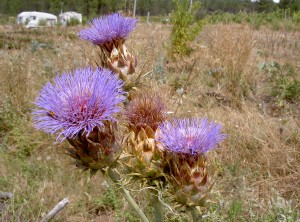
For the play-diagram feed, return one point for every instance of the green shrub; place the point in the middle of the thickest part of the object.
(276, 19)
(185, 27)
(284, 85)
(296, 17)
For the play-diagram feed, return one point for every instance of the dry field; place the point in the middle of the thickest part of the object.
(236, 75)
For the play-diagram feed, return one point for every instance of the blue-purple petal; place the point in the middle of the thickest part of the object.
(78, 102)
(108, 28)
(189, 136)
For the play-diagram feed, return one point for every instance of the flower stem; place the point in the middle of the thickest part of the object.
(158, 207)
(114, 176)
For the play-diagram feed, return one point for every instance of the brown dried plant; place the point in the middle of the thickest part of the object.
(230, 49)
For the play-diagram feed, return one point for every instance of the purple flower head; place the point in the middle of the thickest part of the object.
(78, 102)
(189, 136)
(108, 28)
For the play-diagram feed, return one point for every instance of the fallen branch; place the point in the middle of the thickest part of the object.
(55, 210)
(5, 195)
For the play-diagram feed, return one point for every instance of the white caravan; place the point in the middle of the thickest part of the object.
(36, 19)
(65, 17)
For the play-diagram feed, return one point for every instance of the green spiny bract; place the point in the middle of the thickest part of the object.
(96, 150)
(116, 57)
(187, 179)
(142, 159)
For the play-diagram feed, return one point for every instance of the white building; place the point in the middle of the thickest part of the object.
(36, 19)
(66, 17)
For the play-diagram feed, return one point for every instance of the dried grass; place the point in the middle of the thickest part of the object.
(258, 163)
(231, 50)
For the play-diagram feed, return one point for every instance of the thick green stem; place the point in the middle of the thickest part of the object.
(158, 207)
(115, 178)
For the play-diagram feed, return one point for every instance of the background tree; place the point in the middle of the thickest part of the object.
(266, 5)
(91, 8)
(292, 5)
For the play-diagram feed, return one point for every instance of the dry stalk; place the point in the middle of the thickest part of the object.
(62, 204)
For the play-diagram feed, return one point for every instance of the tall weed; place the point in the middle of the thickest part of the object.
(185, 27)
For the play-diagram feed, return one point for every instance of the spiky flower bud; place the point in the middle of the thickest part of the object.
(80, 107)
(109, 33)
(144, 113)
(185, 143)
(146, 109)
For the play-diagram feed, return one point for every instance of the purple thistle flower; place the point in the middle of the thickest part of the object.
(78, 102)
(189, 136)
(108, 28)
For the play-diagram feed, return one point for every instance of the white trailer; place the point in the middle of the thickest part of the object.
(66, 17)
(36, 19)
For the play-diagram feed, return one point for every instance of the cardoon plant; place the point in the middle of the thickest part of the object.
(80, 106)
(185, 143)
(109, 33)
